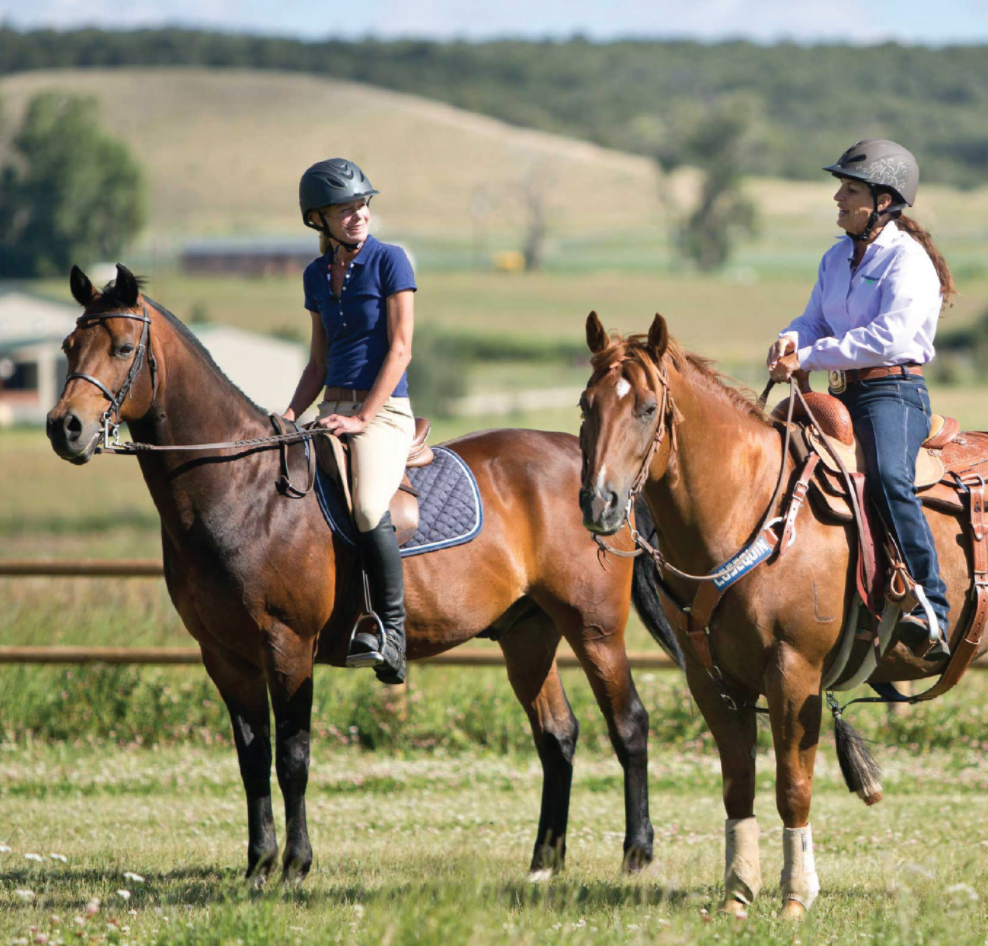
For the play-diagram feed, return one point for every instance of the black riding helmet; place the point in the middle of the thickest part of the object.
(336, 181)
(886, 167)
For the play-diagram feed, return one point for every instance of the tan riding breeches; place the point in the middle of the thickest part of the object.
(377, 455)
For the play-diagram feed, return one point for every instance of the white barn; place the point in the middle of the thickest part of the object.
(33, 368)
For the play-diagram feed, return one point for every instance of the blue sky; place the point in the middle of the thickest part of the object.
(909, 21)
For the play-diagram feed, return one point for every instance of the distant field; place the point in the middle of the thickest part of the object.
(727, 320)
(223, 150)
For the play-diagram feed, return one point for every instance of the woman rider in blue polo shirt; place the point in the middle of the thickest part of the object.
(870, 321)
(359, 295)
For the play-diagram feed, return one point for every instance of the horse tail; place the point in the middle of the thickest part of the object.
(859, 768)
(644, 594)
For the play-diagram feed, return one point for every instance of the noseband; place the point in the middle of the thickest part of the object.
(110, 420)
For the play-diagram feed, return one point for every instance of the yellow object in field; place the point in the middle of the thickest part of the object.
(509, 261)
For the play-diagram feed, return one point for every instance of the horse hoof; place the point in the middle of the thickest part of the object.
(793, 910)
(636, 859)
(541, 876)
(734, 908)
(258, 872)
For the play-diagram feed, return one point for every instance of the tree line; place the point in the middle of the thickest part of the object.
(807, 102)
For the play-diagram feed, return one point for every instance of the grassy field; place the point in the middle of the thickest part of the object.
(433, 850)
(437, 167)
(729, 321)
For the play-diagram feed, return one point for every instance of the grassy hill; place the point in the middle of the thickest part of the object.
(224, 150)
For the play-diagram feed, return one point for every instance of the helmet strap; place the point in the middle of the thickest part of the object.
(333, 241)
(865, 235)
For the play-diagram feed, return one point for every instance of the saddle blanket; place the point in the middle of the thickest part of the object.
(450, 510)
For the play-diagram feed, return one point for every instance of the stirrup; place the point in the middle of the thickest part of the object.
(367, 658)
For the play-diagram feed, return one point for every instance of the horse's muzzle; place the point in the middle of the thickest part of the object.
(603, 510)
(71, 437)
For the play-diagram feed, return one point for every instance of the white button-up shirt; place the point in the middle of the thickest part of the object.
(883, 313)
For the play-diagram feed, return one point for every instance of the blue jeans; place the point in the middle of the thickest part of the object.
(891, 418)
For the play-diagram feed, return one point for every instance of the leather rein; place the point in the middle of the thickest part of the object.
(669, 416)
(110, 421)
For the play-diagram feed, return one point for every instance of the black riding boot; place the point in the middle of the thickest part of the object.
(382, 563)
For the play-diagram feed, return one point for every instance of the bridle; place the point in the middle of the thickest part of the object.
(110, 421)
(669, 417)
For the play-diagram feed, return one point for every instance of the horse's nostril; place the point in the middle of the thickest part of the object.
(72, 427)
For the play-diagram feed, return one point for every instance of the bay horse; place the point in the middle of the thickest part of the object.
(708, 462)
(267, 593)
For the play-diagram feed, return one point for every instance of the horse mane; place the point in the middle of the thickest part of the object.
(182, 329)
(111, 298)
(693, 367)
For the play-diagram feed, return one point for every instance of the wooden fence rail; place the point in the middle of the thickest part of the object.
(163, 656)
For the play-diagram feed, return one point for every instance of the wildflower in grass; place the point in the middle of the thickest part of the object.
(132, 877)
(123, 895)
(33, 857)
(92, 908)
(59, 857)
(4, 849)
(24, 894)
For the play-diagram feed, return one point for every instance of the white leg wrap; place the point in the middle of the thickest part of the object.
(742, 874)
(799, 878)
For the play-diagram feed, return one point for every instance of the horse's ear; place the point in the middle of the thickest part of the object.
(127, 289)
(597, 339)
(658, 336)
(82, 288)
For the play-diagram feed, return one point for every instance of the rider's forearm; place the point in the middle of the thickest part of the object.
(308, 389)
(394, 366)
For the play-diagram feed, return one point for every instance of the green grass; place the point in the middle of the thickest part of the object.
(433, 850)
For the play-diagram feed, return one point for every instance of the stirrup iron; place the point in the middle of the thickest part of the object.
(370, 658)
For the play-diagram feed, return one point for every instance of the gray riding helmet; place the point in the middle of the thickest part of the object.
(336, 181)
(881, 163)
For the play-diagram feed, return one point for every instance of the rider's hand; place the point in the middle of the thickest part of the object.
(340, 424)
(781, 346)
(784, 368)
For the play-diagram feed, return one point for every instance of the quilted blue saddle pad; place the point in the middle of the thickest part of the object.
(450, 511)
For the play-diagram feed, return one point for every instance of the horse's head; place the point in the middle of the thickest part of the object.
(627, 413)
(110, 366)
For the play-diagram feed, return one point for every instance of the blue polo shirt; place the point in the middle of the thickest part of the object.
(356, 323)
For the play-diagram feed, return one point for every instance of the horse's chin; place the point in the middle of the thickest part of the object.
(604, 527)
(76, 456)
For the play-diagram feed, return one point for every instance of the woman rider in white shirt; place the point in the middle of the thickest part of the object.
(870, 322)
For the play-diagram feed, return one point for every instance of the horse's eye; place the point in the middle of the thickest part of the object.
(648, 410)
(125, 350)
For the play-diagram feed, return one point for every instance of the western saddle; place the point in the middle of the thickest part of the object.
(951, 472)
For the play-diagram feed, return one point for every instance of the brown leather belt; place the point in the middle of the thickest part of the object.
(345, 394)
(872, 374)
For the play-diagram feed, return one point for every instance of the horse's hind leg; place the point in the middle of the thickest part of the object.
(245, 693)
(605, 662)
(288, 664)
(530, 654)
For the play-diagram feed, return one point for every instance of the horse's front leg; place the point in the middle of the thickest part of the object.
(792, 687)
(245, 693)
(288, 665)
(734, 730)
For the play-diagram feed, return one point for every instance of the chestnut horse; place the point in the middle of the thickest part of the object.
(266, 592)
(708, 484)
